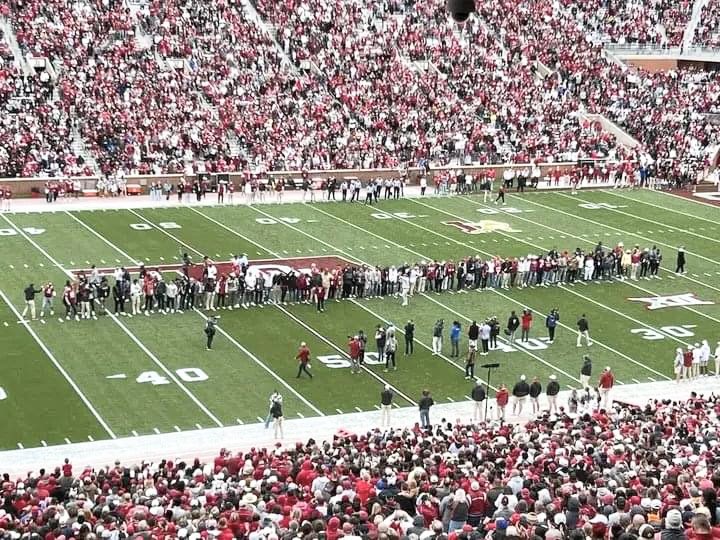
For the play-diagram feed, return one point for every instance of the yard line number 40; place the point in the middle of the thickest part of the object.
(188, 375)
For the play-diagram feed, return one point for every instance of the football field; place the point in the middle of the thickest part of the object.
(68, 381)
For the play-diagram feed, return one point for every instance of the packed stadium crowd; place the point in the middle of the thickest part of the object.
(706, 32)
(176, 86)
(617, 473)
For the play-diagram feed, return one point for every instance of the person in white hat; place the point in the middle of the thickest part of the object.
(607, 381)
(386, 397)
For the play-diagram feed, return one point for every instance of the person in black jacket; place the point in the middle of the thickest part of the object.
(494, 332)
(473, 334)
(119, 297)
(583, 331)
(426, 401)
(478, 396)
(386, 398)
(520, 392)
(210, 323)
(680, 268)
(535, 391)
(409, 337)
(585, 372)
(512, 325)
(552, 391)
(30, 293)
(277, 414)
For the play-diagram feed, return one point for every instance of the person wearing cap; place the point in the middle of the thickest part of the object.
(520, 392)
(583, 331)
(551, 322)
(303, 358)
(552, 391)
(673, 527)
(585, 372)
(607, 381)
(386, 398)
(501, 398)
(678, 364)
(478, 396)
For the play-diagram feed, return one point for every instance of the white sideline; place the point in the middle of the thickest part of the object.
(59, 367)
(125, 329)
(187, 445)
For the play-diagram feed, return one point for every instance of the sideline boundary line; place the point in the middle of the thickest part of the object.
(126, 330)
(59, 367)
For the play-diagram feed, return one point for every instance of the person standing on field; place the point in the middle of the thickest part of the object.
(437, 337)
(583, 331)
(680, 267)
(426, 401)
(30, 293)
(512, 325)
(277, 414)
(552, 391)
(470, 362)
(473, 334)
(678, 364)
(275, 396)
(502, 397)
(478, 395)
(303, 358)
(585, 372)
(386, 398)
(455, 339)
(390, 349)
(210, 324)
(409, 337)
(525, 324)
(607, 381)
(717, 360)
(48, 299)
(551, 322)
(535, 391)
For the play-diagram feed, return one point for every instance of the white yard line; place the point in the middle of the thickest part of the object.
(426, 257)
(124, 328)
(61, 369)
(343, 353)
(416, 340)
(102, 238)
(695, 200)
(263, 365)
(633, 216)
(236, 233)
(713, 221)
(175, 238)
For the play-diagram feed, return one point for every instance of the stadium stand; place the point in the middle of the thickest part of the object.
(624, 473)
(706, 32)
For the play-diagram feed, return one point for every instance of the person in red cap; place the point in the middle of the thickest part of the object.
(501, 397)
(303, 358)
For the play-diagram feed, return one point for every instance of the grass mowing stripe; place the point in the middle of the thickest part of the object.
(416, 340)
(624, 282)
(664, 208)
(641, 218)
(693, 200)
(229, 337)
(343, 353)
(59, 367)
(605, 346)
(626, 233)
(263, 366)
(236, 233)
(101, 237)
(422, 256)
(175, 238)
(125, 329)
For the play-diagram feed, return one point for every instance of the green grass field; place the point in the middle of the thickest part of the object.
(55, 383)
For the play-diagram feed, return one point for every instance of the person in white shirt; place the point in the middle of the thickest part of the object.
(404, 288)
(717, 360)
(423, 185)
(171, 293)
(678, 364)
(392, 280)
(212, 271)
(704, 357)
(136, 297)
(414, 273)
(696, 361)
(485, 338)
(589, 268)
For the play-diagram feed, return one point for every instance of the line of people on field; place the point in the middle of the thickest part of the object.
(693, 362)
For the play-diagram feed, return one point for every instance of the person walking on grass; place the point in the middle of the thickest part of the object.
(585, 372)
(210, 324)
(275, 396)
(426, 401)
(386, 399)
(390, 349)
(478, 396)
(277, 414)
(380, 337)
(437, 334)
(303, 358)
(455, 339)
(583, 331)
(409, 337)
(680, 266)
(30, 293)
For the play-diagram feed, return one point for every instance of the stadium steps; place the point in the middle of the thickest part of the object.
(689, 34)
(79, 148)
(11, 40)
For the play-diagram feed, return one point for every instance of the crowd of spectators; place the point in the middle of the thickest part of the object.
(707, 32)
(185, 86)
(622, 473)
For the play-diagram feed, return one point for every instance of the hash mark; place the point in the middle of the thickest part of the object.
(43, 443)
(260, 419)
(162, 258)
(42, 265)
(377, 407)
(358, 409)
(301, 415)
(451, 400)
(239, 421)
(653, 380)
(90, 438)
(157, 431)
(67, 441)
(198, 426)
(467, 397)
(339, 411)
(177, 428)
(20, 446)
(117, 260)
(396, 405)
(259, 252)
(635, 381)
(135, 433)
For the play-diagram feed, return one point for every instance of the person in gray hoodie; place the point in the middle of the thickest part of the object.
(673, 526)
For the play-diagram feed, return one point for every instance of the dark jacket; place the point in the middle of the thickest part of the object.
(553, 388)
(583, 325)
(513, 323)
(425, 402)
(521, 389)
(586, 368)
(535, 389)
(386, 397)
(478, 393)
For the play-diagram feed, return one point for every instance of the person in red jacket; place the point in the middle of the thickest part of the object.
(607, 380)
(525, 324)
(501, 397)
(303, 358)
(354, 352)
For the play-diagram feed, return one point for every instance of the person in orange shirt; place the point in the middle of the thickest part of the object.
(607, 380)
(501, 397)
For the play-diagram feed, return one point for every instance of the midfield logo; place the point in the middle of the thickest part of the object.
(675, 300)
(482, 227)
